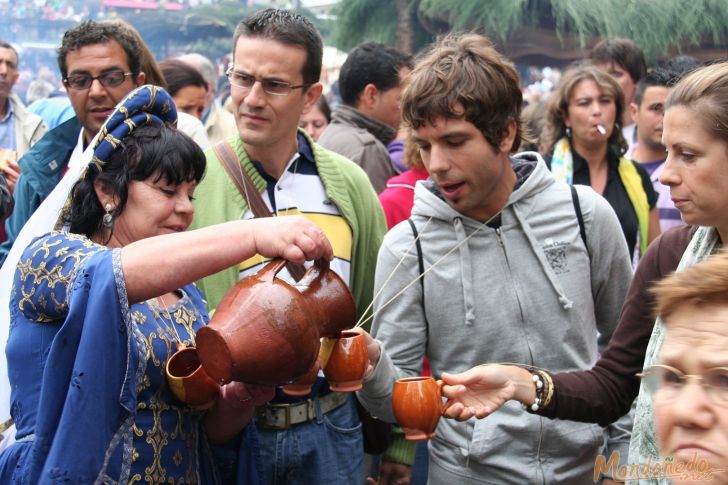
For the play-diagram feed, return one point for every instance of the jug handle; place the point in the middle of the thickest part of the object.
(320, 266)
(271, 269)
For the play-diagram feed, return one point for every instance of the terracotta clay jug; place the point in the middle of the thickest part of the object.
(267, 331)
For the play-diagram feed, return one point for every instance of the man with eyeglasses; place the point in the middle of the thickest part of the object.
(274, 79)
(99, 64)
(689, 384)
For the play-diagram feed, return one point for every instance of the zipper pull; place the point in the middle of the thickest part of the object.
(499, 237)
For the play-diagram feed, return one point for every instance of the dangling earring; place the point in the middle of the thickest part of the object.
(108, 219)
(568, 132)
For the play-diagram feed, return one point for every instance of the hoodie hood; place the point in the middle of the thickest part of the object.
(532, 177)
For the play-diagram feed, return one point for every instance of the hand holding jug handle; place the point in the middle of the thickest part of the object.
(319, 267)
(270, 270)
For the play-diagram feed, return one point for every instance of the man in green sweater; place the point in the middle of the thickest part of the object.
(274, 79)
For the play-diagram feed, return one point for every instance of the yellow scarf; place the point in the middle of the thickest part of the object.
(562, 167)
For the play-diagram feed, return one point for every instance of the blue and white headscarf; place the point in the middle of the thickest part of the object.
(145, 105)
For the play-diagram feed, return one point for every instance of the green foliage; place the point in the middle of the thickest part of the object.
(495, 18)
(361, 20)
(658, 26)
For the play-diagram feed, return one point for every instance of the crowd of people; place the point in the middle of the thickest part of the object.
(515, 249)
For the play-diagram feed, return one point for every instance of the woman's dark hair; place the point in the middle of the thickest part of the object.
(323, 106)
(179, 74)
(152, 150)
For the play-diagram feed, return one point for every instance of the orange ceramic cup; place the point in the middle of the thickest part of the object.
(302, 386)
(188, 381)
(347, 363)
(417, 406)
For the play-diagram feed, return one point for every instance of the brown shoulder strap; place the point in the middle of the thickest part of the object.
(249, 191)
(242, 180)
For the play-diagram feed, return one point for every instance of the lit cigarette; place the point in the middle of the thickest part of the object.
(601, 129)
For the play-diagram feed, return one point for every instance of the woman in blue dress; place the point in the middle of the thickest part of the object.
(97, 309)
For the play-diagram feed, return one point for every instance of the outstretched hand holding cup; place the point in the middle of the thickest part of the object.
(482, 390)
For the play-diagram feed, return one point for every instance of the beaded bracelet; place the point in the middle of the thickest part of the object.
(544, 389)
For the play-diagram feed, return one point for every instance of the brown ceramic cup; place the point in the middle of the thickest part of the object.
(188, 381)
(302, 386)
(417, 406)
(347, 363)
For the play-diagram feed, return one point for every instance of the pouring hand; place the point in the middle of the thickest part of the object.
(234, 409)
(481, 390)
(294, 238)
(240, 395)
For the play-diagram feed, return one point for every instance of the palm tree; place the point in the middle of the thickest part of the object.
(659, 27)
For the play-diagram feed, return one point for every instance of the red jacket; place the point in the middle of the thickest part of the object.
(399, 195)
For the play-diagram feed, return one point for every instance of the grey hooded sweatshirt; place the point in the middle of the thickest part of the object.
(527, 292)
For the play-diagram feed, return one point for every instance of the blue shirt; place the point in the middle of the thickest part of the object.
(7, 127)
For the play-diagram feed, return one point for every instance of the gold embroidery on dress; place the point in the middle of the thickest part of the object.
(164, 428)
(177, 458)
(26, 298)
(157, 437)
(34, 274)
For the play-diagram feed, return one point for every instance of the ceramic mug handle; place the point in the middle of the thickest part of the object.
(449, 403)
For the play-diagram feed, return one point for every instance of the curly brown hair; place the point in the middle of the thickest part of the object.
(463, 76)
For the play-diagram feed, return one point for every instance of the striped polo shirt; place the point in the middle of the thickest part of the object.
(300, 191)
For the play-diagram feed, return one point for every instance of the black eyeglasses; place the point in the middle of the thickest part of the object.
(667, 382)
(270, 86)
(108, 79)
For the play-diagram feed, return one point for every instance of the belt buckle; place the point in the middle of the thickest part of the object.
(286, 408)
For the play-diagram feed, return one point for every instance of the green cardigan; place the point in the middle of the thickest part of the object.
(218, 200)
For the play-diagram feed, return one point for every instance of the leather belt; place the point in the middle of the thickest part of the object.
(283, 416)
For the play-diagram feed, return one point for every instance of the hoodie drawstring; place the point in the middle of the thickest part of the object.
(545, 266)
(466, 271)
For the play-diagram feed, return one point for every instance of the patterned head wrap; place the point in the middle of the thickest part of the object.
(145, 105)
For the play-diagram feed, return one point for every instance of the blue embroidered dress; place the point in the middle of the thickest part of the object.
(89, 394)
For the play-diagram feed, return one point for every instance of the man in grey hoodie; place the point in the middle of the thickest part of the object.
(510, 273)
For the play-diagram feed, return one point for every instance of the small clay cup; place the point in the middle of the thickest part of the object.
(347, 363)
(302, 386)
(417, 405)
(188, 381)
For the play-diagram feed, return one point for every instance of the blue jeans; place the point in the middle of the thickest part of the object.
(327, 449)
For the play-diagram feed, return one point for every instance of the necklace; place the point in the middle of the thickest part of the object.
(175, 337)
